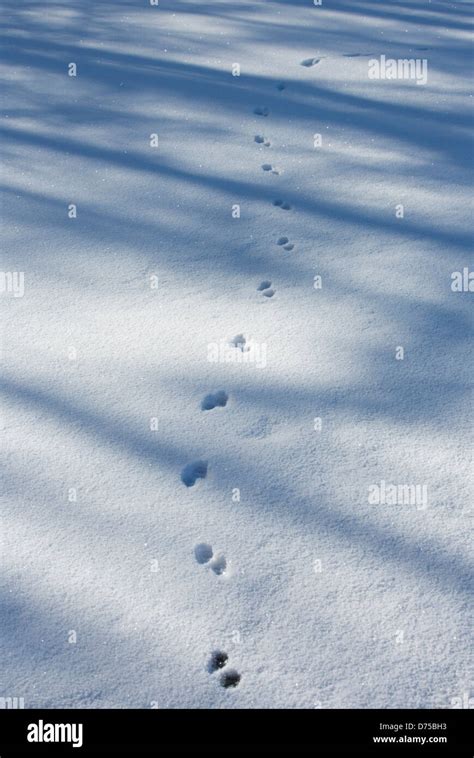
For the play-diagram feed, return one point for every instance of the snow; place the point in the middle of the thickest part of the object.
(169, 493)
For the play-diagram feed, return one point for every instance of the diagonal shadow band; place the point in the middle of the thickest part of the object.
(428, 559)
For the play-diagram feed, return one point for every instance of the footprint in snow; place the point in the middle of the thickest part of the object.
(215, 400)
(218, 661)
(205, 556)
(261, 140)
(203, 552)
(265, 288)
(282, 204)
(240, 342)
(261, 110)
(273, 169)
(280, 86)
(285, 243)
(308, 62)
(230, 678)
(194, 471)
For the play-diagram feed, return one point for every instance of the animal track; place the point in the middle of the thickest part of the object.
(273, 169)
(308, 62)
(261, 140)
(282, 204)
(205, 556)
(280, 86)
(203, 552)
(217, 400)
(265, 288)
(230, 678)
(219, 660)
(194, 471)
(285, 243)
(218, 564)
(239, 342)
(261, 110)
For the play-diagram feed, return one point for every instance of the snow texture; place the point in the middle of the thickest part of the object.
(235, 344)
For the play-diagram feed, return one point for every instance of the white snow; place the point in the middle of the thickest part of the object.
(121, 518)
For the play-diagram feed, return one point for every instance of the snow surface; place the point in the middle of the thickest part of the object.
(317, 597)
